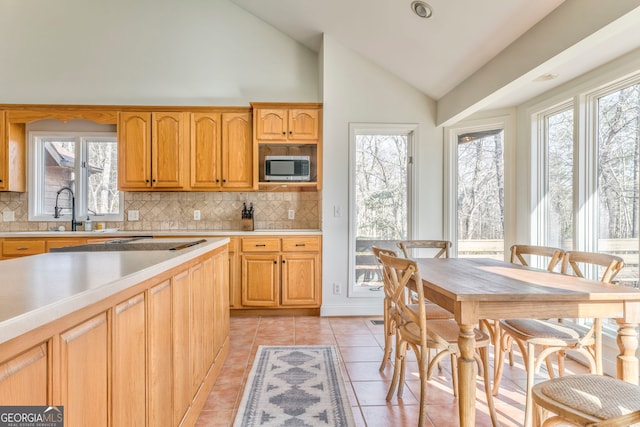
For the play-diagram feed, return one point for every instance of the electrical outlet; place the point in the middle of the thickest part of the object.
(292, 214)
(196, 215)
(337, 289)
(8, 216)
(133, 215)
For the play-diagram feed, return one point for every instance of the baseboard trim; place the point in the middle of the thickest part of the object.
(351, 310)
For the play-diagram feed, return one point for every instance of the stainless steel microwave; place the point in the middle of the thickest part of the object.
(286, 168)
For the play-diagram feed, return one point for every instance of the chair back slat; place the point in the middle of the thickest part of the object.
(519, 251)
(407, 247)
(612, 264)
(402, 274)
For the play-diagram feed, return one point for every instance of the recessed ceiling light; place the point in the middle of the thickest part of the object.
(421, 9)
(545, 77)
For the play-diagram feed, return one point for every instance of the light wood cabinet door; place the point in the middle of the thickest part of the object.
(129, 381)
(181, 354)
(84, 368)
(151, 150)
(160, 383)
(303, 124)
(168, 136)
(300, 279)
(196, 333)
(208, 314)
(237, 151)
(221, 301)
(24, 379)
(260, 280)
(134, 150)
(271, 124)
(206, 171)
(235, 284)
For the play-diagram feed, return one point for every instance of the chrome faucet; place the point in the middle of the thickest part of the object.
(57, 210)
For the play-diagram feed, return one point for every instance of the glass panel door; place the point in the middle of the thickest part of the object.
(380, 185)
(480, 203)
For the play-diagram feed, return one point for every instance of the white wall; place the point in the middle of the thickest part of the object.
(148, 52)
(356, 90)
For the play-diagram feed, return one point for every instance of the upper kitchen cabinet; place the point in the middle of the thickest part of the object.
(299, 123)
(151, 150)
(12, 155)
(288, 130)
(221, 151)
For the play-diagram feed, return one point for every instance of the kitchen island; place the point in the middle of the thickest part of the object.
(118, 338)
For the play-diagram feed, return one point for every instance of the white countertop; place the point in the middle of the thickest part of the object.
(176, 233)
(38, 289)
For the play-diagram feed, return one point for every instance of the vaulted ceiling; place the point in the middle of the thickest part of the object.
(438, 54)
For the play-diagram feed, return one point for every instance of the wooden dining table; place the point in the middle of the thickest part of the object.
(481, 288)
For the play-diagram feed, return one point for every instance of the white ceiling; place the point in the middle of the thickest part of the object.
(437, 54)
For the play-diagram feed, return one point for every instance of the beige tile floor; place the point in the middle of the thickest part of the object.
(360, 345)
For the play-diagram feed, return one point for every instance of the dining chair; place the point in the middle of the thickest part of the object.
(556, 336)
(586, 400)
(408, 246)
(432, 311)
(422, 335)
(548, 256)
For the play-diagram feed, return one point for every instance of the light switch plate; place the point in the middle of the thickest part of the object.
(8, 216)
(133, 215)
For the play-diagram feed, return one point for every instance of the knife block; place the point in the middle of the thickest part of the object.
(247, 224)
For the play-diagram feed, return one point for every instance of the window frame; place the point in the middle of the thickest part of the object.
(411, 131)
(36, 176)
(584, 99)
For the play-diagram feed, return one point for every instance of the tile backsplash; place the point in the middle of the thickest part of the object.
(174, 211)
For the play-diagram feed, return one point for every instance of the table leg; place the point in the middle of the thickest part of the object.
(467, 376)
(628, 344)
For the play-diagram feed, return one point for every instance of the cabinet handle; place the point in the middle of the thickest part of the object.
(217, 180)
(224, 180)
(22, 249)
(283, 261)
(275, 262)
(260, 244)
(290, 132)
(146, 180)
(154, 180)
(300, 244)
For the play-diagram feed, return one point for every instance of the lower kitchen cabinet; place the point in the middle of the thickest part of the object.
(281, 272)
(147, 356)
(25, 378)
(129, 379)
(159, 345)
(84, 372)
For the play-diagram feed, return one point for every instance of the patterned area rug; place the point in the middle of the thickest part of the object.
(297, 386)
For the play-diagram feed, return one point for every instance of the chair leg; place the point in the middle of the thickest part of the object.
(400, 352)
(389, 331)
(454, 374)
(422, 366)
(530, 363)
(498, 362)
(550, 370)
(484, 355)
